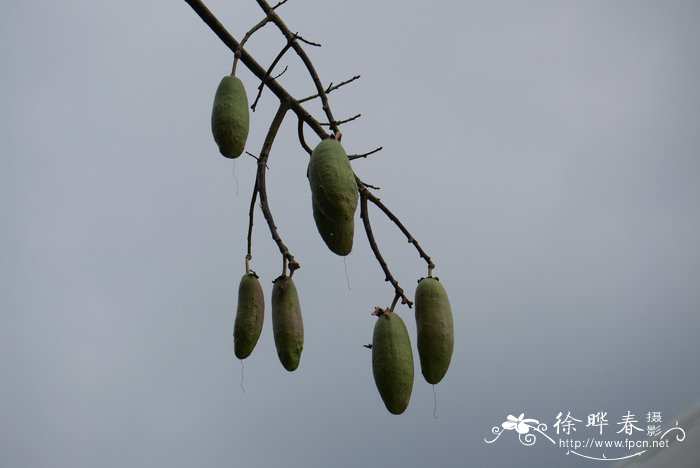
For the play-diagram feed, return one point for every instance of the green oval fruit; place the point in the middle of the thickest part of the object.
(392, 362)
(435, 329)
(287, 326)
(338, 237)
(333, 190)
(249, 316)
(230, 119)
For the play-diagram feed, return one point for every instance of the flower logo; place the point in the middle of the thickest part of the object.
(520, 424)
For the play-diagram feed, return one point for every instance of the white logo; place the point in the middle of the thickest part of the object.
(590, 439)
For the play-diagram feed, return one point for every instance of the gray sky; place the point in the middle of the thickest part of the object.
(545, 153)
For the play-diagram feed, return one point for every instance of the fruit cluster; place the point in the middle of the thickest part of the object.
(334, 200)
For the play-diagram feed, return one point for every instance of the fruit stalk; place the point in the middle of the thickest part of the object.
(262, 190)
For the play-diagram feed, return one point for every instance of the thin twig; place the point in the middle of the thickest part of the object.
(364, 155)
(306, 41)
(260, 183)
(373, 245)
(288, 102)
(281, 73)
(279, 4)
(304, 58)
(340, 122)
(237, 53)
(374, 199)
(268, 73)
(302, 140)
(331, 87)
(258, 159)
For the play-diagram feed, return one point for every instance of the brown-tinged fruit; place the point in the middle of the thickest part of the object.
(287, 325)
(392, 362)
(435, 329)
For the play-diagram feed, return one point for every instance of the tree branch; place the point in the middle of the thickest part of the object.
(279, 4)
(330, 88)
(288, 102)
(251, 212)
(302, 140)
(260, 184)
(364, 155)
(304, 58)
(268, 73)
(364, 215)
(237, 54)
(340, 122)
(374, 199)
(306, 41)
(280, 73)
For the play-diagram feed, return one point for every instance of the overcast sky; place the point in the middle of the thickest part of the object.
(546, 154)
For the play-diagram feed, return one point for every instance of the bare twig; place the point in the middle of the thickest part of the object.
(375, 249)
(280, 73)
(304, 58)
(279, 4)
(237, 53)
(302, 141)
(340, 122)
(260, 183)
(364, 155)
(374, 199)
(288, 102)
(306, 41)
(331, 87)
(258, 159)
(268, 73)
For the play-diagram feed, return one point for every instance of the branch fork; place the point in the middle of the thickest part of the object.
(288, 102)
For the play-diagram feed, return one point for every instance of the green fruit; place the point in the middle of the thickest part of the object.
(338, 237)
(249, 316)
(287, 326)
(435, 329)
(392, 362)
(230, 118)
(333, 192)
